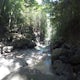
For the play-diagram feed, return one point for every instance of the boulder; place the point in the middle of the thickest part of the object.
(23, 43)
(60, 53)
(62, 69)
(31, 45)
(20, 43)
(66, 62)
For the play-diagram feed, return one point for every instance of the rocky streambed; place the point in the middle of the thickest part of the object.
(27, 62)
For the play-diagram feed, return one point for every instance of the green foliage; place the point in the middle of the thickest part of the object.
(21, 16)
(65, 16)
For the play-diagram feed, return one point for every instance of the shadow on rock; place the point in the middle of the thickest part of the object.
(28, 74)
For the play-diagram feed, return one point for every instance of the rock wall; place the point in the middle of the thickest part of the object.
(66, 61)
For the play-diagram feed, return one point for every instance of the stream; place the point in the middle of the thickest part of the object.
(38, 58)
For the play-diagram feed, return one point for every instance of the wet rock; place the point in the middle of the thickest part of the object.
(7, 49)
(21, 62)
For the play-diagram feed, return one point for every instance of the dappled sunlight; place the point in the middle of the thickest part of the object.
(29, 58)
(39, 46)
(39, 40)
(4, 71)
(34, 59)
(17, 65)
(23, 57)
(4, 67)
(39, 1)
(28, 74)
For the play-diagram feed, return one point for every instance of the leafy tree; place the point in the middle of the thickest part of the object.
(21, 16)
(65, 18)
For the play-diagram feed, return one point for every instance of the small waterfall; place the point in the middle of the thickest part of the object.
(48, 31)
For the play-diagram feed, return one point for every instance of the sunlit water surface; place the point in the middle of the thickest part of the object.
(38, 58)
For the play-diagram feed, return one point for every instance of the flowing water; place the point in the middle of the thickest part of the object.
(38, 58)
